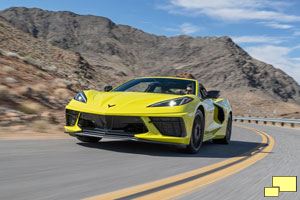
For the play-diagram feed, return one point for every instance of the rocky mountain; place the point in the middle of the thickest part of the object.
(117, 52)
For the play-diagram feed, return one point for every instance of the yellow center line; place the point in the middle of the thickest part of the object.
(181, 184)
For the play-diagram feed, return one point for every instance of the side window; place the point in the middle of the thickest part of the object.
(157, 90)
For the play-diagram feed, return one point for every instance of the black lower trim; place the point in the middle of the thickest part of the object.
(98, 131)
(115, 124)
(115, 136)
(101, 135)
(169, 126)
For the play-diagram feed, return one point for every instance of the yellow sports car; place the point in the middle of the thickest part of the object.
(154, 109)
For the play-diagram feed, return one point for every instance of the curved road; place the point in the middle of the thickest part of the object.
(69, 169)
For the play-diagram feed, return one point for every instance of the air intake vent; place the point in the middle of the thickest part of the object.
(71, 117)
(127, 124)
(169, 126)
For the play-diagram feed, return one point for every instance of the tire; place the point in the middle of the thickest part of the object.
(196, 140)
(88, 139)
(226, 139)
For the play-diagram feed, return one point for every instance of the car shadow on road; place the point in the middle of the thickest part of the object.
(209, 149)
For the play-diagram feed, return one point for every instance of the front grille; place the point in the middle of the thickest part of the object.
(121, 124)
(169, 126)
(71, 117)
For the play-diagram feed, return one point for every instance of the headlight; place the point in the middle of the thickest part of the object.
(81, 97)
(173, 102)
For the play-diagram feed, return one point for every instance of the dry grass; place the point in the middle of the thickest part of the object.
(51, 68)
(4, 90)
(38, 88)
(62, 93)
(8, 69)
(11, 54)
(40, 126)
(29, 107)
(30, 61)
(21, 90)
(61, 85)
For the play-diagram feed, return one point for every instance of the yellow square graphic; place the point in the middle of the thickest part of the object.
(285, 183)
(271, 191)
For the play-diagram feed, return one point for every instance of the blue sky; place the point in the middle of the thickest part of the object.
(268, 30)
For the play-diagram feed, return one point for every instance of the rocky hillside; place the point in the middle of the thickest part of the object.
(36, 78)
(108, 53)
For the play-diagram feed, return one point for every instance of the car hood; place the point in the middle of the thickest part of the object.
(121, 102)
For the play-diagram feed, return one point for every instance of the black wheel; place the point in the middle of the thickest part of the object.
(88, 139)
(197, 134)
(226, 139)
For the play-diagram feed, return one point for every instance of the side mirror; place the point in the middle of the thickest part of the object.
(108, 88)
(214, 94)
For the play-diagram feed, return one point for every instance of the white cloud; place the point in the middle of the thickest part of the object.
(188, 28)
(233, 10)
(185, 28)
(228, 3)
(278, 25)
(296, 33)
(257, 39)
(278, 56)
(296, 59)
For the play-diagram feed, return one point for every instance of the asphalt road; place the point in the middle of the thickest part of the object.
(69, 169)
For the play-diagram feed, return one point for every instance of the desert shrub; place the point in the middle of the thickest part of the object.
(30, 107)
(39, 88)
(40, 74)
(9, 54)
(40, 125)
(36, 63)
(62, 93)
(4, 90)
(23, 90)
(7, 69)
(2, 52)
(51, 68)
(13, 55)
(64, 83)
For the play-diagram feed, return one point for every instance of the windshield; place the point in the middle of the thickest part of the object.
(159, 85)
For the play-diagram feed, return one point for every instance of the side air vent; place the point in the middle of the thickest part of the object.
(71, 117)
(219, 114)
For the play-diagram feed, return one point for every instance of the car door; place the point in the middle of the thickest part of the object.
(209, 110)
